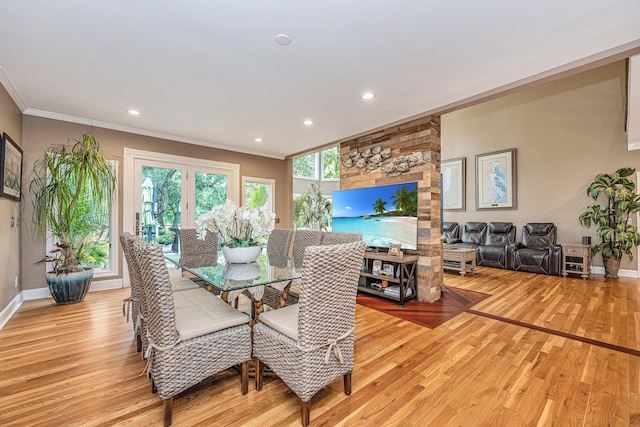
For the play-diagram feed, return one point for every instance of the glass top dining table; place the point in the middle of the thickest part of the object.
(232, 279)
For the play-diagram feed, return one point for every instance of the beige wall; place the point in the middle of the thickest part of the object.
(39, 132)
(565, 133)
(11, 123)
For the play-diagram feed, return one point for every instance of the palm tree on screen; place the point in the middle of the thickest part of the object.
(378, 206)
(405, 201)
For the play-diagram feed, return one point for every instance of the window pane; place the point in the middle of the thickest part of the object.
(305, 166)
(331, 163)
(211, 190)
(257, 194)
(161, 189)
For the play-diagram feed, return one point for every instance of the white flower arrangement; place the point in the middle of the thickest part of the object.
(237, 227)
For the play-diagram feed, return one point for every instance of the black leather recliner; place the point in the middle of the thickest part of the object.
(494, 252)
(538, 251)
(451, 231)
(473, 235)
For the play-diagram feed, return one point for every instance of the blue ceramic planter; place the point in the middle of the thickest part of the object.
(69, 288)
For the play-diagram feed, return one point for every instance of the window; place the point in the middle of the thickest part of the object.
(331, 164)
(309, 166)
(306, 166)
(258, 192)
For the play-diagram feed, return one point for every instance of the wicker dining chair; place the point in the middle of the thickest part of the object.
(338, 237)
(279, 242)
(190, 341)
(310, 344)
(279, 247)
(302, 239)
(131, 305)
(197, 252)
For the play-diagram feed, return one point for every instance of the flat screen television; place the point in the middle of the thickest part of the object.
(383, 214)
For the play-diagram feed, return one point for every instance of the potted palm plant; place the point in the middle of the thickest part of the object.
(613, 219)
(72, 186)
(312, 210)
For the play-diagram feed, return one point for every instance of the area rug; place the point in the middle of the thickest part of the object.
(430, 314)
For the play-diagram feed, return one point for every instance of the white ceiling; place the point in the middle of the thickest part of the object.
(210, 72)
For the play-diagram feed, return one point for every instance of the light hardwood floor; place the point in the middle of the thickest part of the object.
(540, 351)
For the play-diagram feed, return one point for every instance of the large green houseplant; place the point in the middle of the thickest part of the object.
(613, 218)
(312, 210)
(72, 187)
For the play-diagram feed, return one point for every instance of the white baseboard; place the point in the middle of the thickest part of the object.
(38, 293)
(10, 309)
(105, 285)
(621, 273)
(102, 285)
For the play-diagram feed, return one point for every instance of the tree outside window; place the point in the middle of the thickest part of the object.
(306, 166)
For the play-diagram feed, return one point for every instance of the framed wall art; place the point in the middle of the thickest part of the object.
(453, 184)
(496, 180)
(10, 168)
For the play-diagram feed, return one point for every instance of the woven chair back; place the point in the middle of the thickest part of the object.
(279, 242)
(304, 238)
(156, 293)
(338, 237)
(327, 302)
(196, 252)
(126, 240)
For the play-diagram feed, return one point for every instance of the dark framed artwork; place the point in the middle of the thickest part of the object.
(496, 180)
(453, 184)
(10, 168)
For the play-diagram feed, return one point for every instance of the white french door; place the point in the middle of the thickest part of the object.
(163, 193)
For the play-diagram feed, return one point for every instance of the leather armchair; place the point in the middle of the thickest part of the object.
(538, 251)
(473, 235)
(451, 231)
(494, 252)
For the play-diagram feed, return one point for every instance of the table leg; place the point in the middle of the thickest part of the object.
(285, 295)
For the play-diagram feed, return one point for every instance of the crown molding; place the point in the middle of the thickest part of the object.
(138, 131)
(5, 80)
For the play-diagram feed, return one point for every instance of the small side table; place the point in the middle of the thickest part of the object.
(576, 259)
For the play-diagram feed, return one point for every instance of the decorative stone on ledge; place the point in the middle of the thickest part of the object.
(401, 153)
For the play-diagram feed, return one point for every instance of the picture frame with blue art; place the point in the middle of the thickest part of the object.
(496, 180)
(452, 181)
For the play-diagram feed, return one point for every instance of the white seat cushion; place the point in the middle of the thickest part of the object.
(283, 320)
(199, 313)
(179, 284)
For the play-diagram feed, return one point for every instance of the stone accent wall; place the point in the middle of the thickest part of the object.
(421, 135)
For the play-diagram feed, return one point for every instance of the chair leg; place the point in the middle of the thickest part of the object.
(138, 343)
(244, 378)
(168, 411)
(347, 383)
(305, 409)
(154, 389)
(259, 368)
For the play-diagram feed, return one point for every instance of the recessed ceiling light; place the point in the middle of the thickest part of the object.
(283, 39)
(368, 96)
(133, 112)
(258, 139)
(308, 122)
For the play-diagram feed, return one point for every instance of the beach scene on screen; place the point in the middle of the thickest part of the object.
(382, 214)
